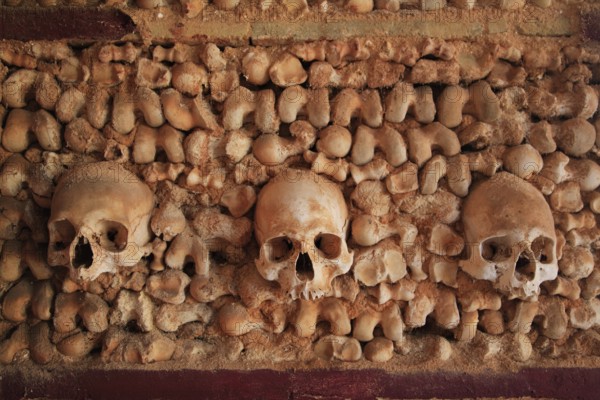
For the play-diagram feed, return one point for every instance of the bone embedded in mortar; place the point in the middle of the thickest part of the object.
(325, 197)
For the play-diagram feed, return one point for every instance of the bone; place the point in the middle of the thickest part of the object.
(126, 103)
(576, 262)
(566, 197)
(235, 320)
(524, 314)
(179, 53)
(148, 140)
(585, 315)
(583, 237)
(338, 347)
(419, 308)
(271, 149)
(492, 322)
(81, 137)
(70, 105)
(261, 105)
(581, 102)
(23, 128)
(78, 345)
(383, 262)
(297, 101)
(368, 230)
(127, 52)
(152, 74)
(569, 221)
(389, 318)
(169, 317)
(15, 172)
(189, 78)
(372, 198)
(220, 282)
(554, 317)
(223, 83)
(467, 329)
(433, 171)
(11, 266)
(479, 100)
(323, 75)
(239, 200)
(168, 286)
(421, 141)
(377, 169)
(504, 74)
(405, 99)
(574, 136)
(444, 241)
(15, 344)
(590, 287)
(349, 104)
(366, 140)
(402, 290)
(47, 91)
(144, 348)
(19, 88)
(255, 66)
(71, 70)
(42, 300)
(186, 114)
(443, 271)
(435, 71)
(287, 71)
(132, 306)
(16, 302)
(524, 161)
(18, 60)
(559, 168)
(403, 180)
(564, 287)
(328, 309)
(212, 57)
(334, 141)
(41, 349)
(92, 310)
(379, 350)
(159, 171)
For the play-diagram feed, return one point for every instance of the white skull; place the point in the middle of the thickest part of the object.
(510, 236)
(99, 220)
(301, 221)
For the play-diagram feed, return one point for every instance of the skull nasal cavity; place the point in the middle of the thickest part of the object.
(304, 268)
(84, 257)
(525, 267)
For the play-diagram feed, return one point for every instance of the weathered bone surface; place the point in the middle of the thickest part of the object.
(329, 200)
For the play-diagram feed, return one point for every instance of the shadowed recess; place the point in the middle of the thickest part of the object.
(64, 23)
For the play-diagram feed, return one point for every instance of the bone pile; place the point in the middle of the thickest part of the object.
(324, 200)
(195, 8)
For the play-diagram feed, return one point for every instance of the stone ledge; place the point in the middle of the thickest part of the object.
(164, 25)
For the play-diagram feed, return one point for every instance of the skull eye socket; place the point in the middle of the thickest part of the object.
(279, 248)
(542, 249)
(330, 245)
(495, 249)
(65, 234)
(113, 235)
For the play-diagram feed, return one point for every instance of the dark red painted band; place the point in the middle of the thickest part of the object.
(63, 23)
(590, 25)
(559, 383)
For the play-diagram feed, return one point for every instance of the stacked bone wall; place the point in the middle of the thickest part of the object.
(418, 135)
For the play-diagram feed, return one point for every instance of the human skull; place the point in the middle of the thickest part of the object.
(99, 220)
(510, 236)
(301, 221)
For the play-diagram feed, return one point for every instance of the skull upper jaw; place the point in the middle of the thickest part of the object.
(298, 280)
(518, 274)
